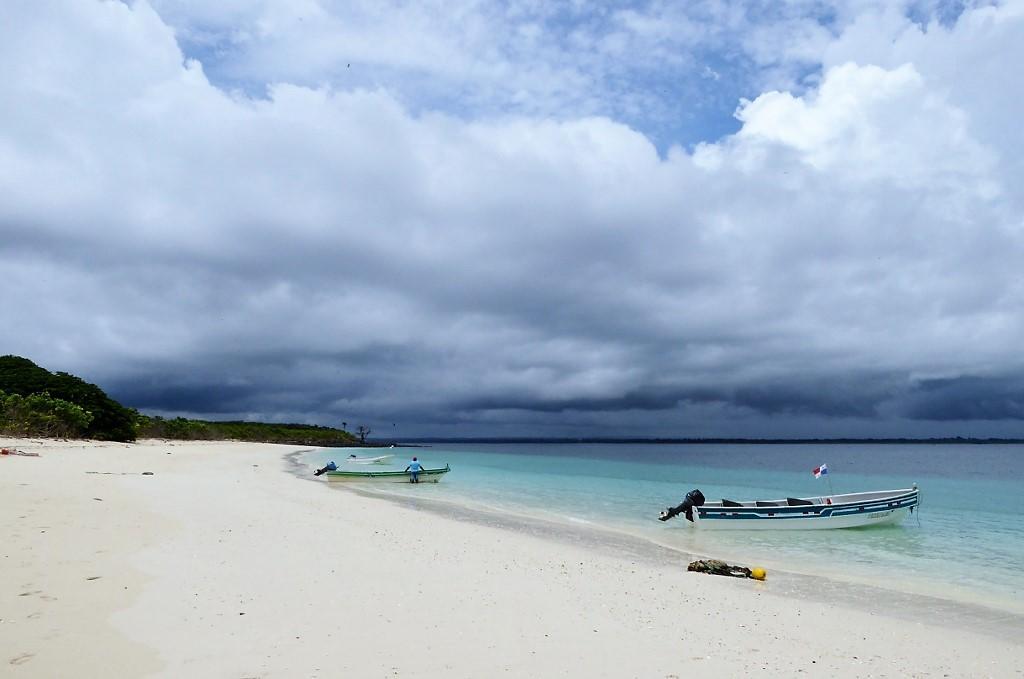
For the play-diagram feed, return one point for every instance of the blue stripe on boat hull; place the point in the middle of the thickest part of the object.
(850, 515)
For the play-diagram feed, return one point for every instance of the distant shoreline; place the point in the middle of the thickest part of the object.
(794, 441)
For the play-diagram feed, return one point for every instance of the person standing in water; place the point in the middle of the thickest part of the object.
(414, 470)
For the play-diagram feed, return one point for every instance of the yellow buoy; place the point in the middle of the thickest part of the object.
(758, 573)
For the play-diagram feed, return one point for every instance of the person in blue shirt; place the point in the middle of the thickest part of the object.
(414, 470)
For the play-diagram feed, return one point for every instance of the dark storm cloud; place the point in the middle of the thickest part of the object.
(968, 398)
(630, 401)
(215, 398)
(819, 397)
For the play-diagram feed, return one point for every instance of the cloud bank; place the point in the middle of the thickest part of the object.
(204, 211)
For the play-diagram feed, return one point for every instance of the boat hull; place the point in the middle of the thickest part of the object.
(843, 511)
(426, 476)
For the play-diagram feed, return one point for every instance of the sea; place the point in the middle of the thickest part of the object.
(961, 553)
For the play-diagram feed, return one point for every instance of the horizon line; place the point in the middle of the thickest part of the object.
(709, 439)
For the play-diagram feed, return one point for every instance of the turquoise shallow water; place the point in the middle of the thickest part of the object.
(966, 543)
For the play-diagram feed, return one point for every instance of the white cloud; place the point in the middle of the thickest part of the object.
(967, 65)
(871, 124)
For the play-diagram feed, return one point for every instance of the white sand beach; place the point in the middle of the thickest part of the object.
(222, 563)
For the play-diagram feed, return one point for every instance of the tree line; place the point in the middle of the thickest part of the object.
(42, 415)
(36, 402)
(48, 410)
(184, 429)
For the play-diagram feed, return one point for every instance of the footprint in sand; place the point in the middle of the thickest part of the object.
(19, 659)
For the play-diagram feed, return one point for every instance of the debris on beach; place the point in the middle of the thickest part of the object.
(15, 451)
(716, 567)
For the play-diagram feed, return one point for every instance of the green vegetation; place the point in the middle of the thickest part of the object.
(42, 415)
(107, 419)
(36, 402)
(202, 430)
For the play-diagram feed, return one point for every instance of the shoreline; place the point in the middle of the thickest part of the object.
(856, 584)
(234, 569)
(823, 589)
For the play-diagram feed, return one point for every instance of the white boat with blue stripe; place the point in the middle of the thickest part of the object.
(851, 510)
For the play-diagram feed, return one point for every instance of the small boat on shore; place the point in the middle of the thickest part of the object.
(380, 459)
(425, 475)
(849, 510)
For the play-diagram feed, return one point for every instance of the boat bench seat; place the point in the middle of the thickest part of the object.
(763, 503)
(731, 503)
(794, 501)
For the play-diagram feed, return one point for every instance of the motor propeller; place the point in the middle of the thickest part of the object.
(331, 467)
(694, 498)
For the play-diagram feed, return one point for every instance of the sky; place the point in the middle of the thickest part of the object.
(520, 218)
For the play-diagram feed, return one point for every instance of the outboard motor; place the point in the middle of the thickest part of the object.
(694, 498)
(331, 467)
